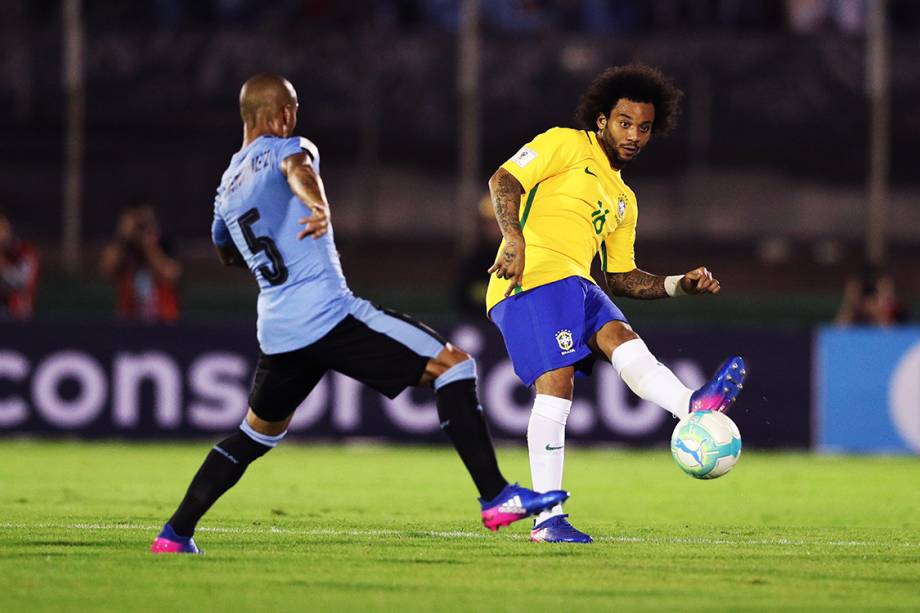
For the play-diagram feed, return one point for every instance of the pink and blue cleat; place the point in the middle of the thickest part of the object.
(170, 542)
(557, 529)
(722, 390)
(515, 502)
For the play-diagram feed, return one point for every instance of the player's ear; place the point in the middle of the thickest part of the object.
(290, 118)
(601, 121)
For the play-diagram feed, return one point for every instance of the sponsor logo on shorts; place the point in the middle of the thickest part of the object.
(565, 342)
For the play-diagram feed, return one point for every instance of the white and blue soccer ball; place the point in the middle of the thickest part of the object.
(706, 444)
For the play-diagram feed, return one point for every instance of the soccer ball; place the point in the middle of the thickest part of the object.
(706, 444)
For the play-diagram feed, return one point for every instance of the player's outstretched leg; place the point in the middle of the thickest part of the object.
(651, 380)
(221, 470)
(463, 421)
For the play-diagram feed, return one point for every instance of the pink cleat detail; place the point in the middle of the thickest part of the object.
(167, 541)
(722, 390)
(161, 545)
(515, 503)
(495, 518)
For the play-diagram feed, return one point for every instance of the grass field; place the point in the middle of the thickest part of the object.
(381, 528)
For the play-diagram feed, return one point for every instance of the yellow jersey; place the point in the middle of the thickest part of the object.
(574, 205)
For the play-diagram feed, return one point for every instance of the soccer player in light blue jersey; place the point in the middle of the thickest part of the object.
(272, 217)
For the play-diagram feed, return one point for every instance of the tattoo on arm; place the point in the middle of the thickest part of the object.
(303, 180)
(306, 185)
(636, 284)
(506, 198)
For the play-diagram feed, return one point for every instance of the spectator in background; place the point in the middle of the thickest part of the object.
(140, 262)
(870, 300)
(18, 274)
(473, 280)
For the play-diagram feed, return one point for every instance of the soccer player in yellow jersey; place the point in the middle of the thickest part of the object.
(560, 201)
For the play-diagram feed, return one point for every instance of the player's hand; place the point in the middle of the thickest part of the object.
(510, 263)
(700, 281)
(317, 224)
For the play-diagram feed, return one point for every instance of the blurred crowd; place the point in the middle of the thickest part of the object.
(138, 262)
(505, 16)
(870, 299)
(144, 272)
(18, 273)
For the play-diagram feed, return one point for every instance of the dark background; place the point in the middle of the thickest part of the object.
(764, 181)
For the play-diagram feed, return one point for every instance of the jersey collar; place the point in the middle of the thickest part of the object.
(602, 155)
(242, 152)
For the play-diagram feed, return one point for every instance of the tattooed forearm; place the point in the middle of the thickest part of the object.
(506, 198)
(636, 284)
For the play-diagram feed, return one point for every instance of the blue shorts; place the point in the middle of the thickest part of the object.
(548, 327)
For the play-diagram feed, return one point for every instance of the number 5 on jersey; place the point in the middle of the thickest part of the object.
(277, 273)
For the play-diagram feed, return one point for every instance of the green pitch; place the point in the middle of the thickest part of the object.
(392, 529)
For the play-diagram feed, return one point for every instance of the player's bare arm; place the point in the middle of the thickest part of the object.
(229, 255)
(506, 199)
(645, 286)
(636, 284)
(307, 185)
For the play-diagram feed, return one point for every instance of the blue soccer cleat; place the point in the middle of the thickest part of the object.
(170, 542)
(557, 529)
(722, 390)
(516, 502)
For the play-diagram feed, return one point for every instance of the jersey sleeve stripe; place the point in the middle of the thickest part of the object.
(528, 204)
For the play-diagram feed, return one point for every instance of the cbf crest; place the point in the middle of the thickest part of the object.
(565, 342)
(621, 207)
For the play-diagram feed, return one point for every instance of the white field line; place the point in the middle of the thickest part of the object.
(267, 531)
(458, 534)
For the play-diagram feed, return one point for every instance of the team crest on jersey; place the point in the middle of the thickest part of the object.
(565, 342)
(621, 207)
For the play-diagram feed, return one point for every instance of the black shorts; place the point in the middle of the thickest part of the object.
(385, 350)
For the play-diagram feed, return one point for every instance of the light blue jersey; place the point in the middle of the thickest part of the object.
(302, 291)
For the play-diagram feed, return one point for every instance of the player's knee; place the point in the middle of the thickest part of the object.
(615, 334)
(450, 364)
(457, 366)
(559, 383)
(265, 435)
(451, 356)
(559, 389)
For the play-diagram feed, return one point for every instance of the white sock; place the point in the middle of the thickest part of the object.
(546, 442)
(649, 379)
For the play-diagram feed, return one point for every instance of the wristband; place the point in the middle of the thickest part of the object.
(672, 285)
